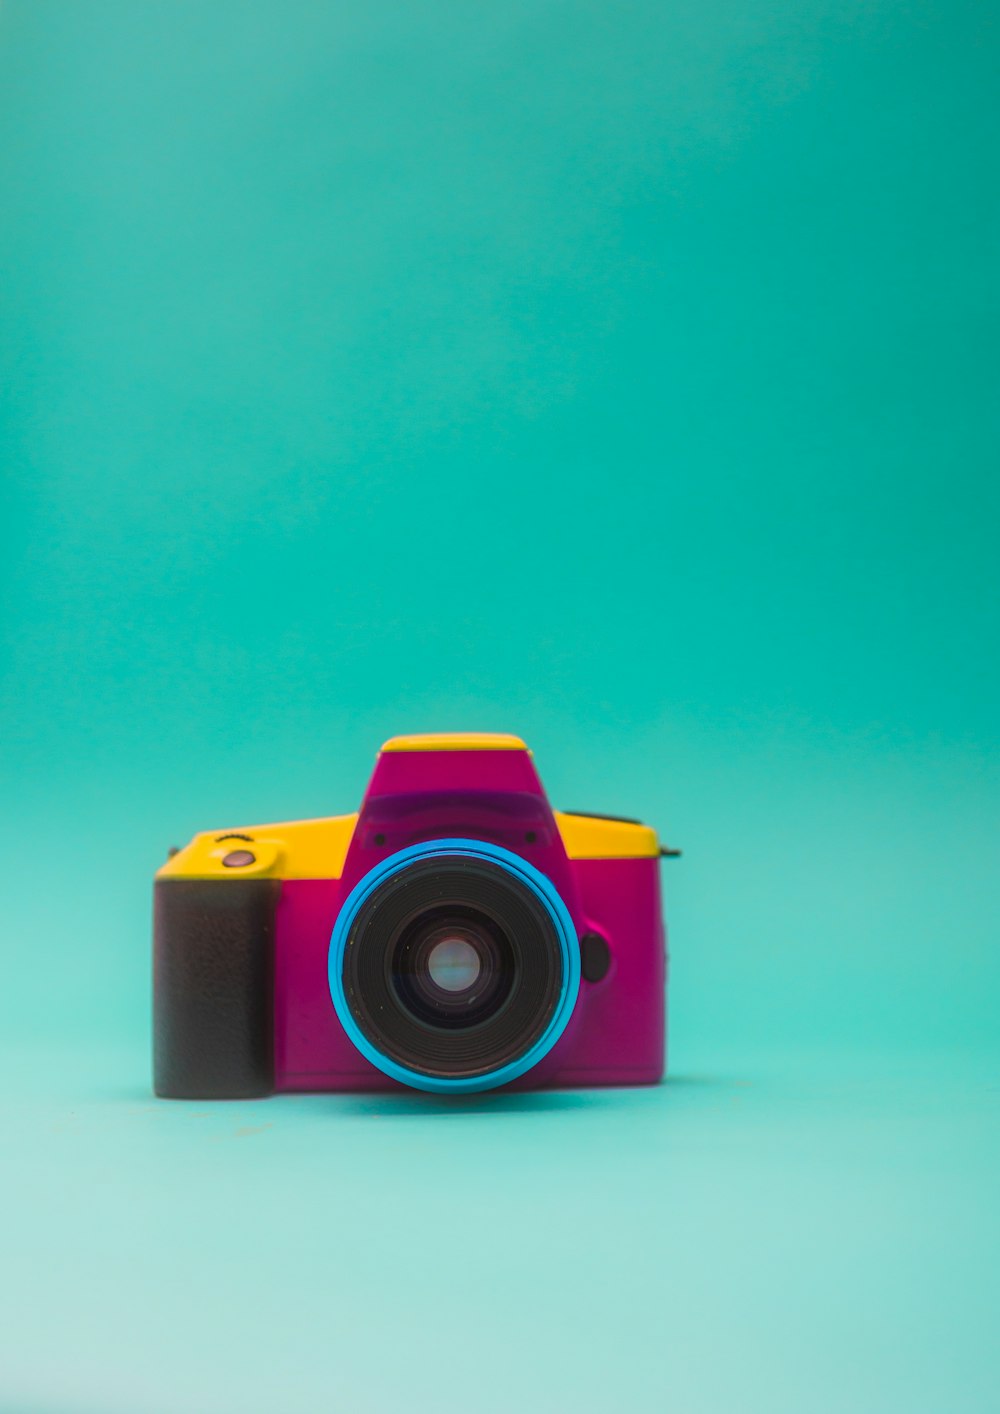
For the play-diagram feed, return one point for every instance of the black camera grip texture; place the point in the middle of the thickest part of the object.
(213, 968)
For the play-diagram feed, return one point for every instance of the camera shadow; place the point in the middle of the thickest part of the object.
(416, 1104)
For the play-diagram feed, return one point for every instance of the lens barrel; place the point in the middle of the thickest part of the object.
(454, 965)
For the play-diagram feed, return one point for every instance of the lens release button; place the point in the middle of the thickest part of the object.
(595, 957)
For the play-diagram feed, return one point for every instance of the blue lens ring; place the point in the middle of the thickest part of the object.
(569, 948)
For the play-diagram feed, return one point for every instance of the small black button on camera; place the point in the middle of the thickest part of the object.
(238, 859)
(595, 957)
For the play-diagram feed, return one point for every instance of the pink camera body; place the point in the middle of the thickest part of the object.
(454, 935)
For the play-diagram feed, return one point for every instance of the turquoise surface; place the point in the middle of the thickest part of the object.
(623, 376)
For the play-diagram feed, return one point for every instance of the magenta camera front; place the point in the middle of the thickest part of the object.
(455, 935)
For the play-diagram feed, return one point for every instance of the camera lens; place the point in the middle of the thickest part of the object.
(453, 967)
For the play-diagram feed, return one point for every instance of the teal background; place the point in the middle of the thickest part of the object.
(624, 376)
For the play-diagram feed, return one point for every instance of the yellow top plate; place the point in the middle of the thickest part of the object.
(455, 741)
(316, 849)
(294, 849)
(589, 837)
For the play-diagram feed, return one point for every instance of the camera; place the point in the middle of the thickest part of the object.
(455, 934)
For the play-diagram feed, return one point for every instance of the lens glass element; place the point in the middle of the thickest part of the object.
(453, 964)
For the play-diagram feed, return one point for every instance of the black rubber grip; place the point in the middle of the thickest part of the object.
(213, 968)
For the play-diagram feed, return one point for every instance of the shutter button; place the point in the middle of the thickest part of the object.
(238, 859)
